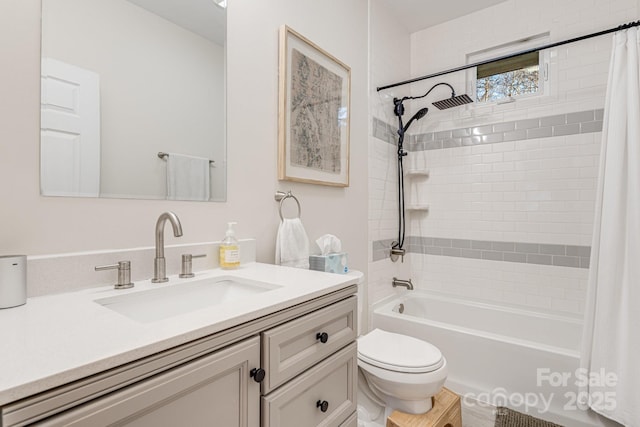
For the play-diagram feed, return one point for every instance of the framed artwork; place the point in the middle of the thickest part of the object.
(314, 111)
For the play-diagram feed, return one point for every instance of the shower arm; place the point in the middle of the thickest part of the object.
(453, 93)
(398, 110)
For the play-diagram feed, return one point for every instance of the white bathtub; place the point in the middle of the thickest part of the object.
(494, 353)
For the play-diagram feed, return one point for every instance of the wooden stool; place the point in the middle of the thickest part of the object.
(445, 413)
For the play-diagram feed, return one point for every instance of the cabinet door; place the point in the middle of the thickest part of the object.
(215, 390)
(352, 421)
(323, 396)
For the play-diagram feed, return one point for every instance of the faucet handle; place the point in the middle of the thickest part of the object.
(124, 273)
(395, 252)
(186, 270)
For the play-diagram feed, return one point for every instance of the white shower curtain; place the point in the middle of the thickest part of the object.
(611, 340)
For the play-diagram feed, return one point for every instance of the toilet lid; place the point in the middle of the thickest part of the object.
(398, 353)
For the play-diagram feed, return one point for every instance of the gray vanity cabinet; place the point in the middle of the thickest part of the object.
(214, 390)
(295, 367)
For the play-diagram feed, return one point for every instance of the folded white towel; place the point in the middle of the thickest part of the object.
(187, 177)
(292, 244)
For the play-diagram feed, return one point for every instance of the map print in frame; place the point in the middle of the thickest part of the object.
(313, 128)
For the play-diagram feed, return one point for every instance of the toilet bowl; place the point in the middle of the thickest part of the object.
(401, 371)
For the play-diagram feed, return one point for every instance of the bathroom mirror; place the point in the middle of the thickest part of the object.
(125, 80)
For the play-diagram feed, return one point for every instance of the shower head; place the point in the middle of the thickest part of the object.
(417, 116)
(454, 101)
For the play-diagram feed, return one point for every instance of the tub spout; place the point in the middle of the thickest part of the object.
(404, 283)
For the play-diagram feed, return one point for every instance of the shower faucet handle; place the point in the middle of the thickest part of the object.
(397, 252)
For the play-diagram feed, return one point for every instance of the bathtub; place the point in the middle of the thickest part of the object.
(503, 356)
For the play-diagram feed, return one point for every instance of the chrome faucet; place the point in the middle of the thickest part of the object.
(159, 263)
(404, 283)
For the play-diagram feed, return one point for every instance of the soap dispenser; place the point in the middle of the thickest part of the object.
(229, 249)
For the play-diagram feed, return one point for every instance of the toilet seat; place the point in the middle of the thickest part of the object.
(398, 353)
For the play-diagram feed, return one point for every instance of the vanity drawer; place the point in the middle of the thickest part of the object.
(289, 349)
(333, 381)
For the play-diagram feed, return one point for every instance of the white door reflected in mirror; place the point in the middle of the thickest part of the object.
(69, 130)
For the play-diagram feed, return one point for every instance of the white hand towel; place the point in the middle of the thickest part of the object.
(187, 177)
(292, 244)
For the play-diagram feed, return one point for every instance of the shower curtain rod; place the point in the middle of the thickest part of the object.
(547, 46)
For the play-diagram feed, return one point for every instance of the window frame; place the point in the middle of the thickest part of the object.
(507, 49)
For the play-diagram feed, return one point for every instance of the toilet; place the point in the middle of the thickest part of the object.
(400, 372)
(395, 371)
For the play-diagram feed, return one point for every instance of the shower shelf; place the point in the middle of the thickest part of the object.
(417, 172)
(417, 208)
(415, 175)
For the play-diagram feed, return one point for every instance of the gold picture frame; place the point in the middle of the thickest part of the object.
(314, 113)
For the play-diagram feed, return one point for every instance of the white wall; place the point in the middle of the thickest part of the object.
(162, 89)
(528, 190)
(33, 224)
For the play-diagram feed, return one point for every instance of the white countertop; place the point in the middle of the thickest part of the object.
(56, 339)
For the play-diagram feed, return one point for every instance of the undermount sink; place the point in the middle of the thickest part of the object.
(181, 298)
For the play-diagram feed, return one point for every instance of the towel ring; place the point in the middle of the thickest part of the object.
(281, 196)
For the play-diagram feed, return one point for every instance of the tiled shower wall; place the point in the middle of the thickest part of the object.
(511, 187)
(389, 61)
(520, 213)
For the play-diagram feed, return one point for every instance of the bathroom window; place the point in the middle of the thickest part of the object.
(506, 80)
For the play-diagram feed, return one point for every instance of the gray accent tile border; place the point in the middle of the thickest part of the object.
(529, 253)
(385, 131)
(381, 248)
(559, 125)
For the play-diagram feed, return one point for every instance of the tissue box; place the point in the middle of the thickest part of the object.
(332, 263)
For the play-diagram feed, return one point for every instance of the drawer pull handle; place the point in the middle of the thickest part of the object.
(323, 337)
(323, 405)
(257, 374)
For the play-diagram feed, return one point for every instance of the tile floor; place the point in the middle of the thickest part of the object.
(477, 415)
